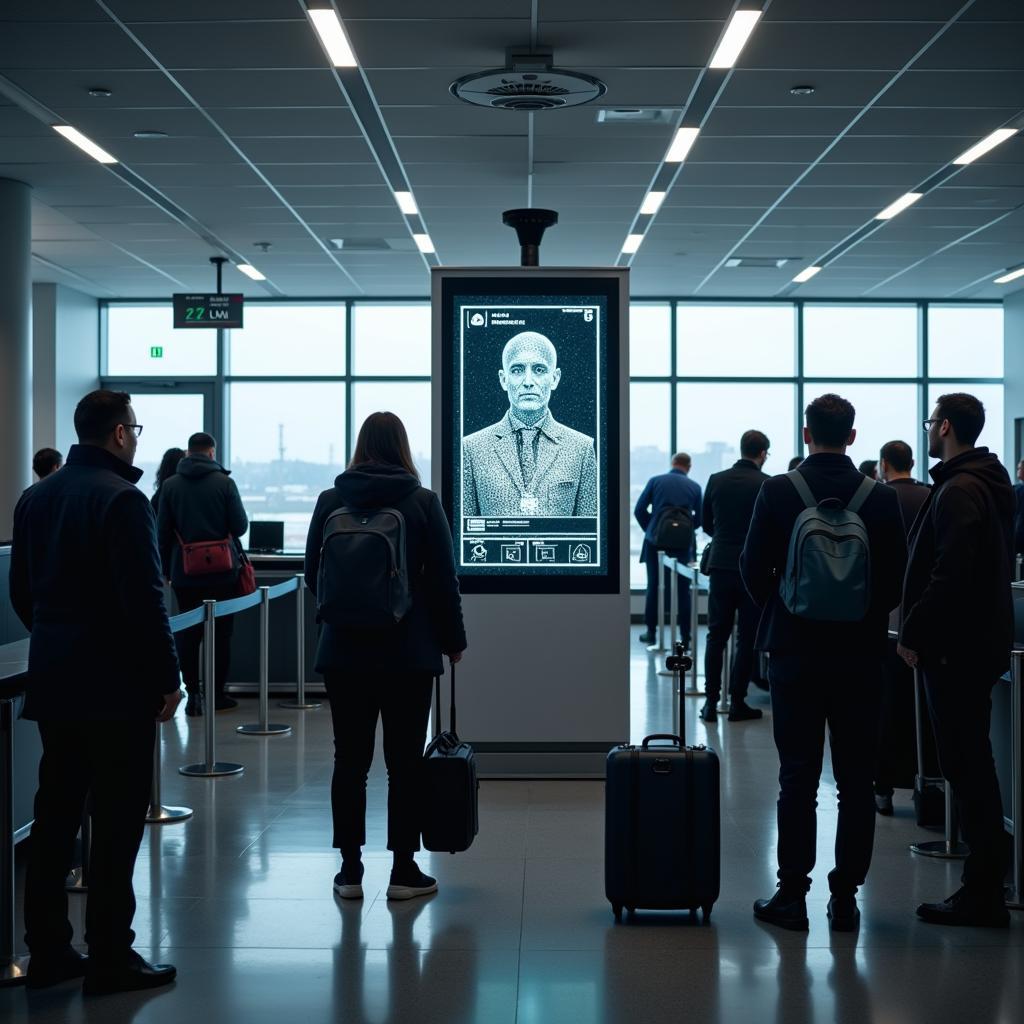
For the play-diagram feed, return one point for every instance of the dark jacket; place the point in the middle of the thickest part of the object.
(433, 626)
(200, 502)
(85, 580)
(912, 494)
(957, 602)
(673, 489)
(728, 507)
(763, 561)
(1018, 520)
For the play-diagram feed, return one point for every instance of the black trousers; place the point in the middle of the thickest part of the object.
(111, 764)
(810, 693)
(402, 702)
(960, 707)
(728, 600)
(681, 595)
(189, 641)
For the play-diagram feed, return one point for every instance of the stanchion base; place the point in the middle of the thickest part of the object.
(13, 971)
(167, 815)
(940, 849)
(74, 882)
(294, 705)
(218, 768)
(665, 672)
(689, 692)
(272, 729)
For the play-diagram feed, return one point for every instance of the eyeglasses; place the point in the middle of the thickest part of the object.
(929, 423)
(136, 428)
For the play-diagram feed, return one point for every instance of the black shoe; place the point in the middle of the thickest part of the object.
(222, 703)
(46, 969)
(132, 974)
(784, 910)
(883, 804)
(348, 882)
(739, 711)
(646, 638)
(194, 706)
(843, 913)
(967, 910)
(408, 883)
(709, 713)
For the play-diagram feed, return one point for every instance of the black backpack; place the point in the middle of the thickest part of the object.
(363, 579)
(674, 530)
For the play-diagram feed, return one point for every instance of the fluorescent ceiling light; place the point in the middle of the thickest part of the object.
(736, 35)
(329, 28)
(250, 271)
(1011, 276)
(652, 202)
(632, 243)
(73, 135)
(423, 243)
(685, 138)
(406, 203)
(907, 199)
(987, 143)
(806, 274)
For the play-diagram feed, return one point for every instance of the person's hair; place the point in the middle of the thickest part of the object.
(45, 461)
(899, 455)
(830, 420)
(99, 413)
(869, 467)
(752, 443)
(682, 459)
(383, 440)
(794, 462)
(201, 442)
(168, 466)
(965, 413)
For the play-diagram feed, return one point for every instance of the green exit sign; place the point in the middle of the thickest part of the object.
(156, 352)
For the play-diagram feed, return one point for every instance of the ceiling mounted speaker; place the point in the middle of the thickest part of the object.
(529, 81)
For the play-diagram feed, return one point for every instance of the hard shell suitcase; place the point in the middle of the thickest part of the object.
(662, 827)
(450, 786)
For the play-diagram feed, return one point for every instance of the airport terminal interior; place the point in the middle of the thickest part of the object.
(648, 228)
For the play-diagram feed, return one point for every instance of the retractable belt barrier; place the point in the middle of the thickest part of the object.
(13, 966)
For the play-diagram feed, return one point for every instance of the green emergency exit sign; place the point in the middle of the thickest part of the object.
(156, 352)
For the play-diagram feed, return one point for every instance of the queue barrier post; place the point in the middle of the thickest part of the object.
(671, 565)
(300, 703)
(158, 814)
(730, 659)
(211, 767)
(694, 690)
(1015, 897)
(13, 965)
(658, 643)
(264, 727)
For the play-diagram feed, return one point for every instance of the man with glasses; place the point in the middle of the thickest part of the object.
(957, 629)
(85, 580)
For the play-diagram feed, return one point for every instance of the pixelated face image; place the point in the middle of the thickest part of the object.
(529, 373)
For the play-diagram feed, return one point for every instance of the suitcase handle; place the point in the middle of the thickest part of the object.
(661, 736)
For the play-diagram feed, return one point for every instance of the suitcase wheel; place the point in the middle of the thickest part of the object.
(617, 911)
(706, 913)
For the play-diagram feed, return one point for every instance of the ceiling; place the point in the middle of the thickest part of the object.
(263, 146)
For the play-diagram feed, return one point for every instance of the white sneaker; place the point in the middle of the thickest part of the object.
(423, 886)
(347, 890)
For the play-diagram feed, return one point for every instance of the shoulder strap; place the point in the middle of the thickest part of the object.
(796, 478)
(867, 485)
(451, 707)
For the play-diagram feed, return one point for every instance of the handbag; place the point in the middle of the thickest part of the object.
(206, 557)
(246, 575)
(705, 559)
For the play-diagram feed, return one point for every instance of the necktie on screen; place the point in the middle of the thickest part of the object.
(527, 455)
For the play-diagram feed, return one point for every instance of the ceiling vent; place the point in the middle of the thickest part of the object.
(758, 262)
(372, 244)
(529, 81)
(637, 115)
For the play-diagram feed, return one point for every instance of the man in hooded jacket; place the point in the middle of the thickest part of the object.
(957, 629)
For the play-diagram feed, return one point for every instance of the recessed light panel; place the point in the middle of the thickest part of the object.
(332, 34)
(908, 199)
(85, 144)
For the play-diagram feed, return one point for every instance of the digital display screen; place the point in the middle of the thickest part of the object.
(529, 422)
(220, 310)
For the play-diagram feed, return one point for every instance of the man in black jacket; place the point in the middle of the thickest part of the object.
(958, 630)
(728, 507)
(895, 462)
(823, 673)
(200, 502)
(85, 580)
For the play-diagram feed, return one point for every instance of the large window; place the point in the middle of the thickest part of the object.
(289, 341)
(860, 341)
(736, 341)
(142, 342)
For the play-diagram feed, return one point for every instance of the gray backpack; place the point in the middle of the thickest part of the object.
(828, 568)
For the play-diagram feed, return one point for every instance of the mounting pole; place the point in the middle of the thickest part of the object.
(219, 262)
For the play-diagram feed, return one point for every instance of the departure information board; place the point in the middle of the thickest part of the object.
(221, 310)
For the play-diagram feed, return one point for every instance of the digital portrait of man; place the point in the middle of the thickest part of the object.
(529, 464)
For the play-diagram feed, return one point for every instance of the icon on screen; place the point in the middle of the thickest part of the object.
(478, 553)
(477, 320)
(476, 525)
(546, 552)
(582, 553)
(511, 553)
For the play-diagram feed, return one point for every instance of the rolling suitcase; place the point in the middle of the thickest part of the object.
(662, 827)
(450, 816)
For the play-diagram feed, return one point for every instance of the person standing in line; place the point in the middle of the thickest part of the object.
(958, 629)
(46, 461)
(726, 513)
(794, 462)
(895, 463)
(824, 673)
(386, 672)
(200, 502)
(869, 468)
(168, 467)
(102, 670)
(1018, 518)
(673, 489)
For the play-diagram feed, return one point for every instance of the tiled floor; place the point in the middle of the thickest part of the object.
(239, 898)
